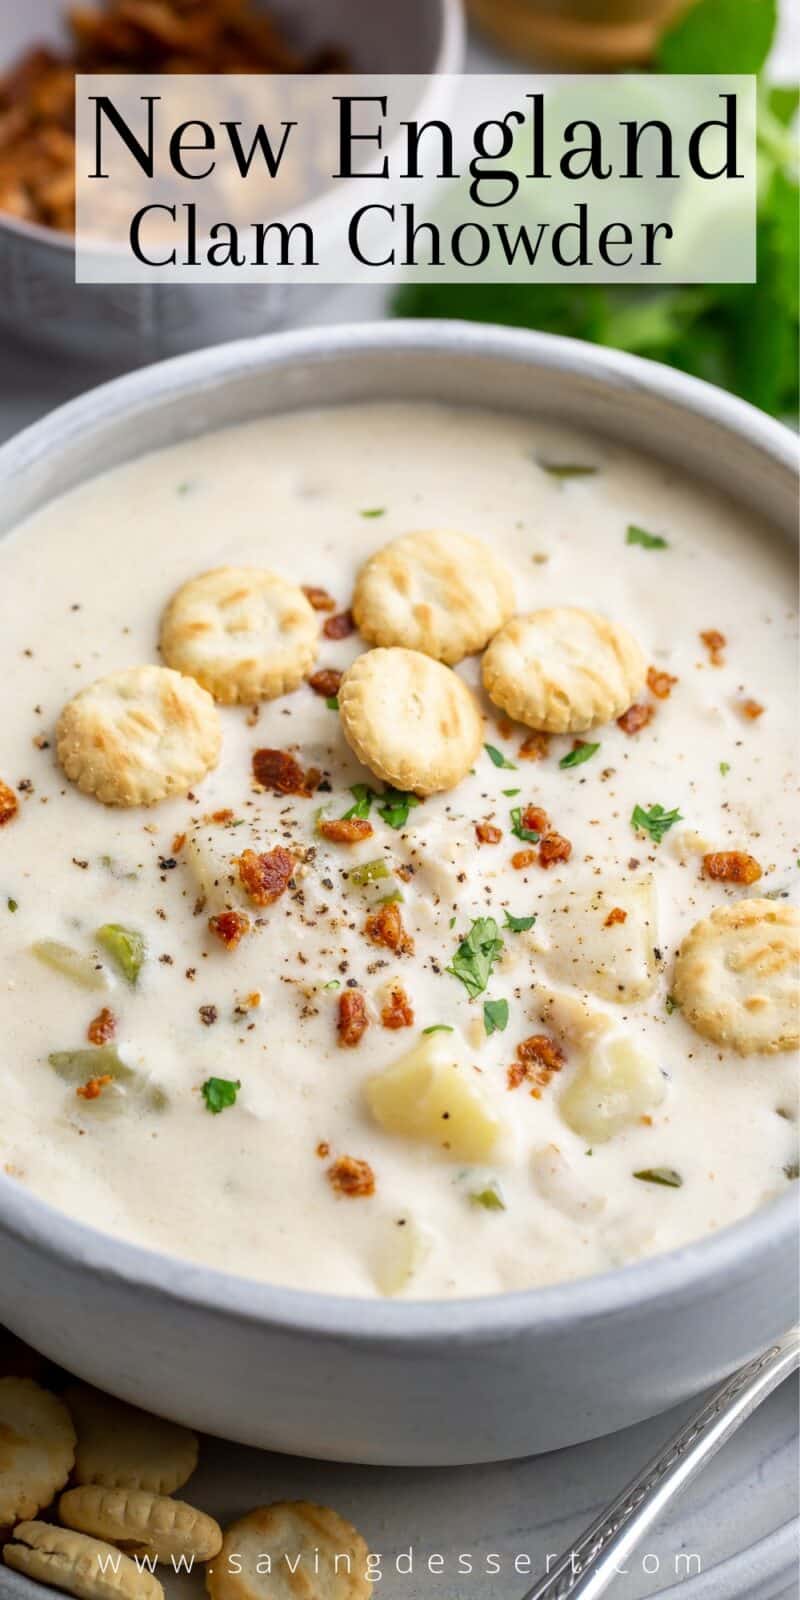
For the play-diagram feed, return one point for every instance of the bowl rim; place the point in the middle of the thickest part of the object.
(686, 1272)
(449, 58)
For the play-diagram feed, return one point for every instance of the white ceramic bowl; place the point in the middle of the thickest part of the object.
(400, 1382)
(126, 324)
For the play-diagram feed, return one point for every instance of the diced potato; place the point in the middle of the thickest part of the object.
(400, 1255)
(71, 963)
(557, 1180)
(432, 1094)
(208, 854)
(602, 939)
(617, 1083)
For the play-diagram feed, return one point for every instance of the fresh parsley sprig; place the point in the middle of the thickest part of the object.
(656, 821)
(476, 955)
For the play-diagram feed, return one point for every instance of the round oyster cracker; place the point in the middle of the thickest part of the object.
(442, 593)
(563, 670)
(410, 719)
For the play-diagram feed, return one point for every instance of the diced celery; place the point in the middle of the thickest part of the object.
(125, 947)
(368, 872)
(71, 963)
(489, 1196)
(100, 1061)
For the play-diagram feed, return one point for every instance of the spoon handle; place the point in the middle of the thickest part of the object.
(585, 1571)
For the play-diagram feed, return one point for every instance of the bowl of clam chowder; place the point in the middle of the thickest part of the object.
(398, 866)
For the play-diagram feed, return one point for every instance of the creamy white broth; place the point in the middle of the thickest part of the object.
(83, 586)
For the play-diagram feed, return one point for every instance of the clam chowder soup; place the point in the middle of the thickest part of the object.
(398, 854)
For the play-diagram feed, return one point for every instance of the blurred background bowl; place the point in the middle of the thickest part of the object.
(127, 324)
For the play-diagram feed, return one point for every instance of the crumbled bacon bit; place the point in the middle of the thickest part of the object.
(554, 847)
(751, 709)
(487, 833)
(264, 877)
(9, 804)
(102, 1027)
(221, 817)
(345, 830)
(616, 914)
(277, 770)
(178, 843)
(352, 1177)
(352, 1021)
(535, 747)
(323, 1149)
(385, 927)
(715, 643)
(398, 1011)
(340, 626)
(505, 727)
(230, 927)
(318, 598)
(522, 859)
(535, 819)
(326, 681)
(660, 683)
(94, 1087)
(635, 718)
(538, 1059)
(731, 866)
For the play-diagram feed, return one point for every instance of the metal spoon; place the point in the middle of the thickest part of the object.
(593, 1561)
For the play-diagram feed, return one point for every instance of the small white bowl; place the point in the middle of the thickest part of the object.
(407, 1383)
(126, 324)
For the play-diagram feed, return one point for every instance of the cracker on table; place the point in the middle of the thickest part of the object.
(153, 1523)
(443, 593)
(244, 633)
(294, 1534)
(139, 736)
(737, 977)
(562, 670)
(37, 1448)
(84, 1567)
(410, 719)
(124, 1448)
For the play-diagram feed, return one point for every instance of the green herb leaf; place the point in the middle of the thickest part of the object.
(490, 1197)
(363, 796)
(667, 1176)
(510, 792)
(373, 511)
(13, 905)
(332, 702)
(648, 541)
(219, 1093)
(518, 830)
(125, 947)
(439, 1027)
(656, 821)
(783, 101)
(395, 806)
(498, 758)
(567, 469)
(724, 768)
(719, 36)
(476, 956)
(495, 1016)
(518, 924)
(581, 753)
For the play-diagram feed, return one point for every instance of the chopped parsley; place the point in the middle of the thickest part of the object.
(724, 768)
(518, 924)
(648, 541)
(332, 702)
(495, 1016)
(438, 1027)
(219, 1093)
(373, 511)
(363, 797)
(581, 753)
(656, 821)
(490, 1197)
(395, 806)
(476, 955)
(567, 469)
(666, 1176)
(521, 832)
(13, 905)
(498, 758)
(509, 793)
